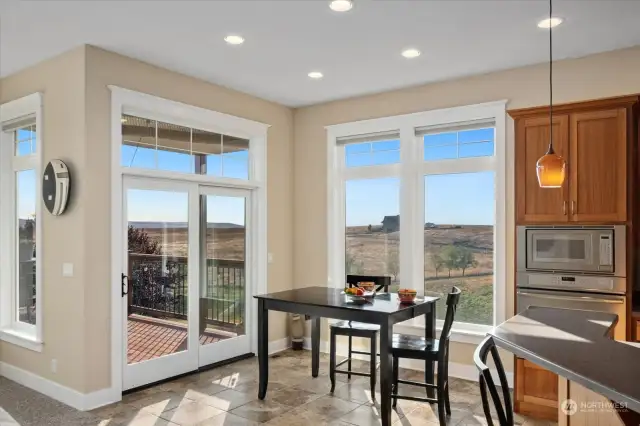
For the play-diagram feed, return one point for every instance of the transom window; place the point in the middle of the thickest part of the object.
(418, 198)
(152, 144)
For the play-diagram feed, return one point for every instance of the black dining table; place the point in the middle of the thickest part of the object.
(384, 310)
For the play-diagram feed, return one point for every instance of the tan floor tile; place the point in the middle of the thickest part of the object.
(331, 406)
(159, 402)
(261, 411)
(227, 419)
(293, 397)
(251, 388)
(367, 415)
(226, 400)
(355, 392)
(191, 413)
(429, 412)
(464, 386)
(300, 417)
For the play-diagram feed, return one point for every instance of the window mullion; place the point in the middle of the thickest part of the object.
(408, 189)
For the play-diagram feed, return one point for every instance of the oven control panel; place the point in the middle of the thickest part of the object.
(572, 282)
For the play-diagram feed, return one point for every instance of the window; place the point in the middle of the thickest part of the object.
(424, 205)
(152, 144)
(372, 232)
(20, 305)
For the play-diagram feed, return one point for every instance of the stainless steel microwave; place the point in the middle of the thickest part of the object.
(591, 249)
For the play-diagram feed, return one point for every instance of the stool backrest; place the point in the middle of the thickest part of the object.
(445, 336)
(381, 283)
(502, 407)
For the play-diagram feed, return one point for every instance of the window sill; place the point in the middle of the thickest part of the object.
(473, 337)
(21, 339)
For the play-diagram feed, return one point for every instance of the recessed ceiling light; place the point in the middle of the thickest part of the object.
(341, 5)
(315, 75)
(410, 53)
(234, 39)
(550, 22)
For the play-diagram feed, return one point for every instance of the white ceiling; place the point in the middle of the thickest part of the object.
(358, 51)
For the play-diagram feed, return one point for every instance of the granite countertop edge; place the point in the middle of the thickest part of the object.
(631, 402)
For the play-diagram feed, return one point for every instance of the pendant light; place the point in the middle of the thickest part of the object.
(550, 167)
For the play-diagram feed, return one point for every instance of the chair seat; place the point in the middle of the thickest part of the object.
(406, 346)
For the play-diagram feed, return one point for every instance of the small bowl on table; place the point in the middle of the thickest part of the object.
(407, 296)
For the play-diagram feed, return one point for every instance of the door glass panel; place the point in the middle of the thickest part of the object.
(157, 258)
(222, 292)
(26, 207)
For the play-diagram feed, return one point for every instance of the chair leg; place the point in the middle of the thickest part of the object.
(373, 362)
(447, 404)
(394, 391)
(442, 416)
(332, 361)
(349, 355)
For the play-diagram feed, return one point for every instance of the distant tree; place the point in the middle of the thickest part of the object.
(369, 228)
(352, 266)
(140, 242)
(437, 262)
(466, 259)
(450, 256)
(393, 263)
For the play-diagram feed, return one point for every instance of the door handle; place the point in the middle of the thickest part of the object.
(573, 207)
(125, 286)
(571, 299)
(564, 207)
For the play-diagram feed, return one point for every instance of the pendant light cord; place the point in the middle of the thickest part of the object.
(550, 78)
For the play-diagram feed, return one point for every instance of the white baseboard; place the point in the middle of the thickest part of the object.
(276, 346)
(456, 369)
(71, 397)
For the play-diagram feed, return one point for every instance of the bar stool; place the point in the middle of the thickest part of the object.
(353, 329)
(504, 411)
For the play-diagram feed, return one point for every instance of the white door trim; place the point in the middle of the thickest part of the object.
(181, 114)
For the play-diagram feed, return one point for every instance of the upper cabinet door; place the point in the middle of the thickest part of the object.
(598, 166)
(535, 204)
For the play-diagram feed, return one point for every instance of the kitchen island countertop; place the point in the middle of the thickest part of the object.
(576, 345)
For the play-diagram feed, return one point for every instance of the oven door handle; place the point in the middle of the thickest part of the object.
(569, 298)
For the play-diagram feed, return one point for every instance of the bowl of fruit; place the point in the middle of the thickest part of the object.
(407, 295)
(356, 295)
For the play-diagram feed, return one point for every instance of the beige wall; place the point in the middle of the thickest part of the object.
(597, 76)
(77, 107)
(61, 80)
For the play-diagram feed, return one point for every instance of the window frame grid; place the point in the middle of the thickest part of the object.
(412, 170)
(11, 329)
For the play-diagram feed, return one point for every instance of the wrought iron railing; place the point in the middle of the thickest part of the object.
(158, 287)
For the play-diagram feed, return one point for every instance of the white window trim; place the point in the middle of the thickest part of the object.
(411, 171)
(12, 331)
(126, 101)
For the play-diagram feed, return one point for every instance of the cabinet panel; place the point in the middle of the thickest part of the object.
(536, 392)
(599, 166)
(535, 204)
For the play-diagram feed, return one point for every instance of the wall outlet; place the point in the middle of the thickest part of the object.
(269, 258)
(67, 269)
(54, 365)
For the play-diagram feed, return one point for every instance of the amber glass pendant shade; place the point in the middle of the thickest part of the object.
(551, 170)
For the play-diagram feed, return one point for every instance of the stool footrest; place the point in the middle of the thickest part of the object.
(420, 384)
(414, 398)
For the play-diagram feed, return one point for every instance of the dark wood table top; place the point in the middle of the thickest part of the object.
(385, 303)
(576, 345)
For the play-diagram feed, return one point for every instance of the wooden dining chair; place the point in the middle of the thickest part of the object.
(428, 350)
(503, 408)
(353, 329)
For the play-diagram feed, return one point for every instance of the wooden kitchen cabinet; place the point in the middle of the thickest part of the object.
(535, 204)
(598, 172)
(594, 139)
(536, 391)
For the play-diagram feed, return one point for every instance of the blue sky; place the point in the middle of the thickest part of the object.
(462, 199)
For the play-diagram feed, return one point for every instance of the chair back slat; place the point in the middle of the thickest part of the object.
(452, 305)
(502, 407)
(382, 283)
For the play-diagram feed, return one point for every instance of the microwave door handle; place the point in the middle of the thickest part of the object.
(571, 299)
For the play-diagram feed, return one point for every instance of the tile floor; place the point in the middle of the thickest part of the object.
(227, 396)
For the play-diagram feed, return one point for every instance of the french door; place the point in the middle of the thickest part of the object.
(187, 274)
